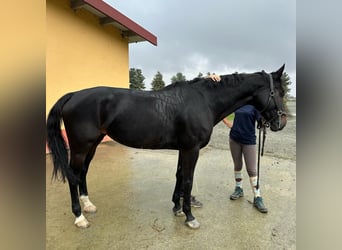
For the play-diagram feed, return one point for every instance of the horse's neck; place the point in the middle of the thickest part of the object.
(224, 100)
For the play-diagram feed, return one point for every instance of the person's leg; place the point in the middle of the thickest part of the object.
(249, 153)
(236, 152)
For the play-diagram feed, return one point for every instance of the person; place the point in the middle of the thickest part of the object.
(193, 201)
(242, 142)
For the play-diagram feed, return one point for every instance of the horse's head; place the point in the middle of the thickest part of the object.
(269, 100)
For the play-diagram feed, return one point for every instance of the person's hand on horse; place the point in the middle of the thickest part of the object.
(215, 78)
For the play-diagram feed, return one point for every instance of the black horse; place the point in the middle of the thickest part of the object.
(180, 116)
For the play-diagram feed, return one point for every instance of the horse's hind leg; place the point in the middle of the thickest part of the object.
(80, 157)
(76, 164)
(177, 209)
(188, 162)
(88, 206)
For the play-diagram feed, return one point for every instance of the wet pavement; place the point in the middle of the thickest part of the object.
(132, 190)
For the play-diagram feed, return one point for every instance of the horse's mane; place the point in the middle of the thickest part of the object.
(232, 80)
(175, 84)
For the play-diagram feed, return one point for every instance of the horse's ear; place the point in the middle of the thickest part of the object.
(279, 72)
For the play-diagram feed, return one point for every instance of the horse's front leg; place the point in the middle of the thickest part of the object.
(188, 163)
(177, 209)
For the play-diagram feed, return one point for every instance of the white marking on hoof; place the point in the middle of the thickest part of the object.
(194, 224)
(89, 207)
(82, 222)
(179, 213)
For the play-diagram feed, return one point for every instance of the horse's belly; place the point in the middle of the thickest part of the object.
(144, 137)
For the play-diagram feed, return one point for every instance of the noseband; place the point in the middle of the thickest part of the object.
(280, 112)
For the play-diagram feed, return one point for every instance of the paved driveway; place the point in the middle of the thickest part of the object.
(132, 190)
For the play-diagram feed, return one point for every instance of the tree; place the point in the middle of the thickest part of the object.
(136, 79)
(178, 77)
(200, 75)
(286, 81)
(157, 82)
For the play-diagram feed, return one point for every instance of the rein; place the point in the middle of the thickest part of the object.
(264, 124)
(262, 128)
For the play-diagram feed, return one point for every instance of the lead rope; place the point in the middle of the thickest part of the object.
(262, 128)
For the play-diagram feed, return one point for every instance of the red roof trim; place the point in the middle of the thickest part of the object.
(122, 19)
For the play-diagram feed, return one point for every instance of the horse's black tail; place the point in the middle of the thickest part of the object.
(56, 142)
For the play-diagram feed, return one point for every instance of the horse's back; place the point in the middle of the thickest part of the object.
(133, 118)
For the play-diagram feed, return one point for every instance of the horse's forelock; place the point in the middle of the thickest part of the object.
(279, 83)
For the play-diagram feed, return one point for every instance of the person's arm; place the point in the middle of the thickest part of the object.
(228, 123)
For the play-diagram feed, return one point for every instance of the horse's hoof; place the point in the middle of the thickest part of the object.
(193, 224)
(82, 222)
(90, 209)
(179, 213)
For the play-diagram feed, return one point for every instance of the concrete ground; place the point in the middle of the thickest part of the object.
(132, 190)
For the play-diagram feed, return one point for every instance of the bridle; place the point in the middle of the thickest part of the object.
(264, 124)
(280, 112)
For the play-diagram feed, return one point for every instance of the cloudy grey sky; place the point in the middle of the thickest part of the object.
(220, 36)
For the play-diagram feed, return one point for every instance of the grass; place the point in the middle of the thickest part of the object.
(231, 117)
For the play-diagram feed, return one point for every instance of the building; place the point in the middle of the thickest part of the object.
(87, 46)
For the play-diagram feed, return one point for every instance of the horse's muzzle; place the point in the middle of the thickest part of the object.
(279, 124)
